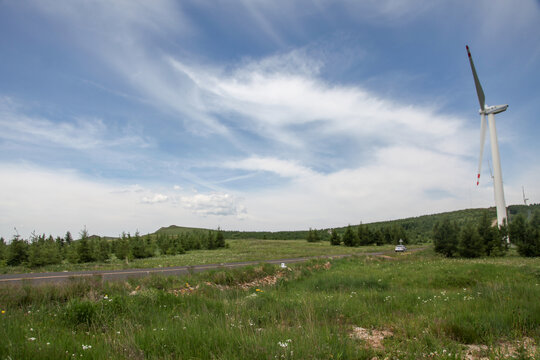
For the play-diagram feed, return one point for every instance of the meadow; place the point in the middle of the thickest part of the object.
(236, 250)
(398, 306)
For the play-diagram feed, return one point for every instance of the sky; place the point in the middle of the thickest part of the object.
(130, 115)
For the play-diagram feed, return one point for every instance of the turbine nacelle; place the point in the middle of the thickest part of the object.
(495, 109)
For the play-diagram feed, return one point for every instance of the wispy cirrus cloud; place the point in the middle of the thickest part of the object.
(280, 167)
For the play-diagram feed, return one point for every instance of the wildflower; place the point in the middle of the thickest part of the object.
(32, 339)
(259, 290)
(48, 343)
(285, 343)
(3, 311)
(86, 347)
(106, 297)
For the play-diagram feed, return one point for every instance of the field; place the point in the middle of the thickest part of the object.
(402, 306)
(237, 250)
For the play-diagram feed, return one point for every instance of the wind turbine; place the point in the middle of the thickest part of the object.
(524, 198)
(490, 111)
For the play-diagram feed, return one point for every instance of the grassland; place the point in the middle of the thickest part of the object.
(403, 306)
(237, 250)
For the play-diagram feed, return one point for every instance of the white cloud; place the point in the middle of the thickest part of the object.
(280, 167)
(55, 201)
(78, 134)
(213, 204)
(156, 198)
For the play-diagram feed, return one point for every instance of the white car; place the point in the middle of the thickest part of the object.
(400, 248)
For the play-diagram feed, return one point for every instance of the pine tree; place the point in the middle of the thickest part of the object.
(220, 239)
(138, 247)
(68, 238)
(445, 238)
(335, 238)
(387, 235)
(84, 248)
(493, 243)
(349, 238)
(121, 247)
(378, 237)
(364, 235)
(471, 245)
(52, 251)
(312, 235)
(517, 229)
(18, 251)
(61, 245)
(3, 249)
(103, 250)
(526, 235)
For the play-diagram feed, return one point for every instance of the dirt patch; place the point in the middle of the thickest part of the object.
(373, 338)
(325, 266)
(386, 257)
(504, 350)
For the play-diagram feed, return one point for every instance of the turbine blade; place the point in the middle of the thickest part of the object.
(479, 90)
(483, 129)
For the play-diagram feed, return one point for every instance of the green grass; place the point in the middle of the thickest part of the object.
(238, 250)
(431, 308)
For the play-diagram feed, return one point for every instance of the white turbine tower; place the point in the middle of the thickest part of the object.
(524, 198)
(490, 111)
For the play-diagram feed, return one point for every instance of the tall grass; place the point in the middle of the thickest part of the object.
(430, 307)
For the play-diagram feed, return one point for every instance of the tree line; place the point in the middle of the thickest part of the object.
(483, 239)
(42, 250)
(362, 235)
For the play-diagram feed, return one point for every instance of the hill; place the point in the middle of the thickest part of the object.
(418, 228)
(175, 230)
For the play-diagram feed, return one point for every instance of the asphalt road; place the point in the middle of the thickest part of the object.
(113, 275)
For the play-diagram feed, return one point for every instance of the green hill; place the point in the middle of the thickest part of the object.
(418, 228)
(175, 230)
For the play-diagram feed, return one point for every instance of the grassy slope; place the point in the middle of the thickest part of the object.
(430, 306)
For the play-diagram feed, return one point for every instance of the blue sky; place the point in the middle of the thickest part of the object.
(258, 115)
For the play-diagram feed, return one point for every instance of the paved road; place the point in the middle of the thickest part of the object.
(111, 275)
